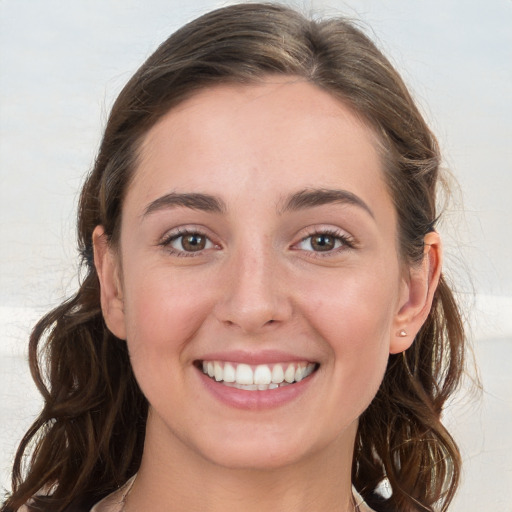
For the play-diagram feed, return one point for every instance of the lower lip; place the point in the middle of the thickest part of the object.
(255, 400)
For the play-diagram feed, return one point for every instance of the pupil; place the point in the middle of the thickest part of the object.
(322, 243)
(193, 242)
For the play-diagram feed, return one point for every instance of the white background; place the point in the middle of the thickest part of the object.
(63, 62)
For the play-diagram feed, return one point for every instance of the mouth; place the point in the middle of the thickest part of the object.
(261, 377)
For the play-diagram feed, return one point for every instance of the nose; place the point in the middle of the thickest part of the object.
(253, 292)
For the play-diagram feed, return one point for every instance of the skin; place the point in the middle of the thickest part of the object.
(259, 285)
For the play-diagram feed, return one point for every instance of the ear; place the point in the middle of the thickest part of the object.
(108, 268)
(417, 295)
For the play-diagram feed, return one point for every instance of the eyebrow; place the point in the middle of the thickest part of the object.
(195, 201)
(307, 198)
(310, 198)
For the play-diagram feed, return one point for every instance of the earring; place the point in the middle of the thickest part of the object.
(402, 333)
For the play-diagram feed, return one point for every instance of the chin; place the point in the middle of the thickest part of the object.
(272, 449)
(256, 457)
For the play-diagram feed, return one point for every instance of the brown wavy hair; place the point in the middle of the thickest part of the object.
(88, 439)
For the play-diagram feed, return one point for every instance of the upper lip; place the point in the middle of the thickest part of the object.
(255, 358)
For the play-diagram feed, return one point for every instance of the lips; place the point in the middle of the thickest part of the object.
(259, 377)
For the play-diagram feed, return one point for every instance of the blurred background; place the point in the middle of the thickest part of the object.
(63, 62)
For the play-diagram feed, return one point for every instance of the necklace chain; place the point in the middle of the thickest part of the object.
(355, 503)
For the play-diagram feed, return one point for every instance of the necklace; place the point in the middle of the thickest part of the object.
(356, 499)
(354, 503)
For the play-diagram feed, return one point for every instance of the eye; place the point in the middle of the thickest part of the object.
(187, 242)
(324, 241)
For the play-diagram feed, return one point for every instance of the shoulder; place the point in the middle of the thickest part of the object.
(114, 502)
(78, 505)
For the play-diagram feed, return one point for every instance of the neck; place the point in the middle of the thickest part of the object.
(172, 473)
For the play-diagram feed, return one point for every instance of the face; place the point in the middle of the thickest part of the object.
(257, 280)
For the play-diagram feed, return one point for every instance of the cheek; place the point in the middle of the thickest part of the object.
(162, 314)
(354, 317)
(354, 305)
(160, 307)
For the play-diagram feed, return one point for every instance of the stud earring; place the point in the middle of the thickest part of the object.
(402, 333)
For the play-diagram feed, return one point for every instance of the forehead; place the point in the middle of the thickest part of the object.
(267, 138)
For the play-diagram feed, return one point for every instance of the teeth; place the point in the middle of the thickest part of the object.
(211, 370)
(218, 371)
(254, 387)
(261, 377)
(247, 387)
(289, 374)
(244, 374)
(229, 373)
(277, 374)
(308, 370)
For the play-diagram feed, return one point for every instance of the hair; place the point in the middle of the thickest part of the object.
(88, 439)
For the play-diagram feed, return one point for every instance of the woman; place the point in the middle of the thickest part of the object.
(263, 322)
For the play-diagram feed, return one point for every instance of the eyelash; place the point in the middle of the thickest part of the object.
(347, 242)
(180, 233)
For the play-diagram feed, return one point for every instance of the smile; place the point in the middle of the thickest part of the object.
(260, 377)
